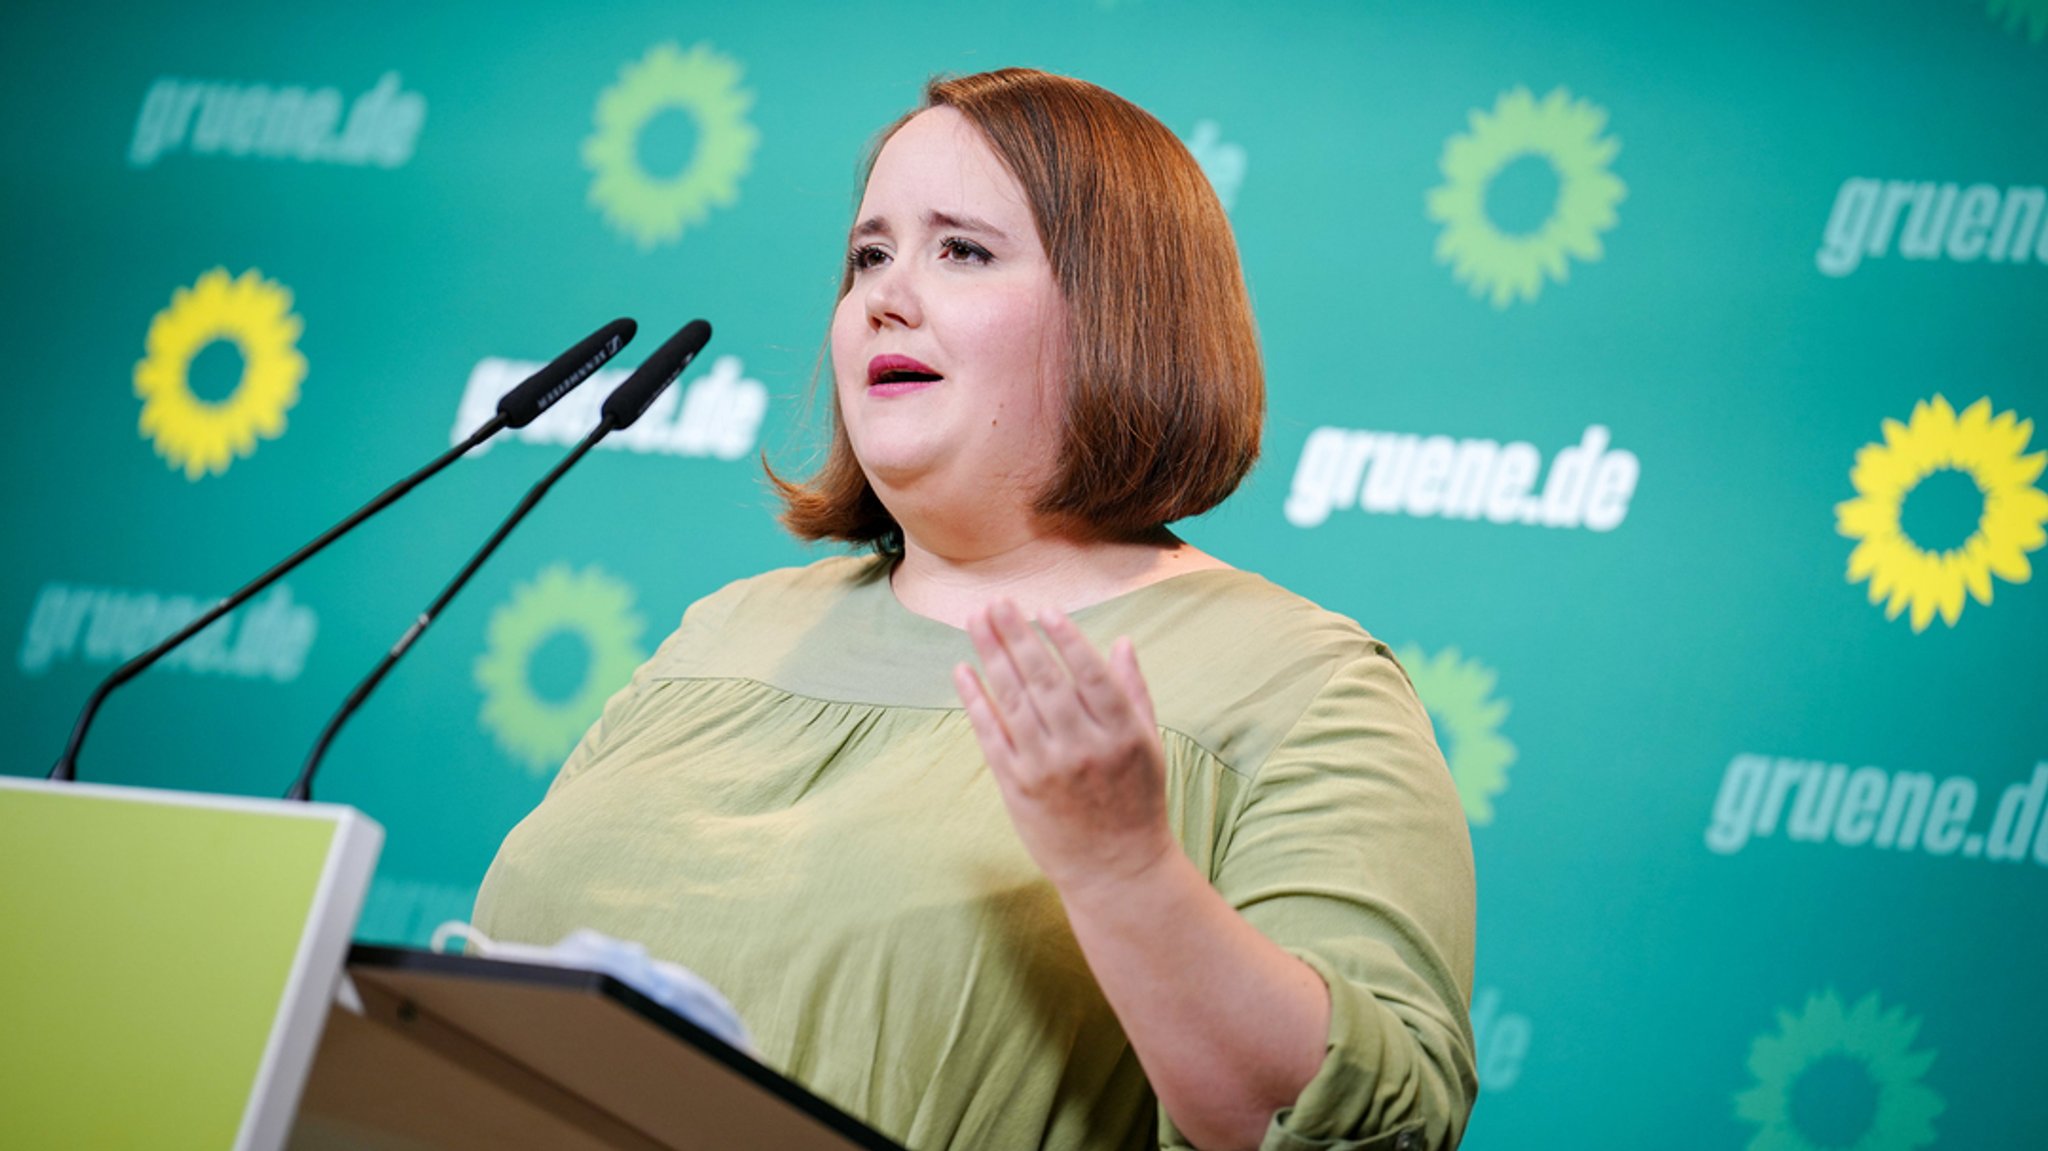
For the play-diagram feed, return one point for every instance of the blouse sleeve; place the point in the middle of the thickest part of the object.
(1350, 850)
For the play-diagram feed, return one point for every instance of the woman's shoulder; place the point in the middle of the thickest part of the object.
(755, 609)
(1255, 619)
(1236, 660)
(788, 593)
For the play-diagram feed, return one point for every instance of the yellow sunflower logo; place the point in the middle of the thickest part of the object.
(1565, 132)
(1990, 451)
(2027, 18)
(1459, 695)
(1851, 1072)
(589, 606)
(703, 84)
(254, 314)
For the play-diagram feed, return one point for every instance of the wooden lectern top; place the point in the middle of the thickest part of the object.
(453, 1051)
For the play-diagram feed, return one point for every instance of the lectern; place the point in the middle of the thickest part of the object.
(175, 973)
(446, 1051)
(166, 961)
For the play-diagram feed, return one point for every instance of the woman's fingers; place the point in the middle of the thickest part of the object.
(1101, 694)
(1012, 667)
(1069, 739)
(999, 673)
(1046, 686)
(1042, 673)
(996, 745)
(1056, 689)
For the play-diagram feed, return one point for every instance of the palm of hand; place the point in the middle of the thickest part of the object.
(1073, 744)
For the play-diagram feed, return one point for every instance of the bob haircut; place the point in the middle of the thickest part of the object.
(1165, 392)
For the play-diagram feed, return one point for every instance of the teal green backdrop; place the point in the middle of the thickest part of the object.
(1663, 385)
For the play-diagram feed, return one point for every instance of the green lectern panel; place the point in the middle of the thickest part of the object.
(150, 950)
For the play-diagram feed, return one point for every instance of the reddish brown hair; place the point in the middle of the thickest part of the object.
(1165, 393)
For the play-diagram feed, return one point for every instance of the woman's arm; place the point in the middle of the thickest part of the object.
(1228, 1026)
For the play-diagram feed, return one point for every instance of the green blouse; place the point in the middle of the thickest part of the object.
(788, 799)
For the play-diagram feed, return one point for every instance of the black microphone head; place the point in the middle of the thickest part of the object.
(524, 404)
(630, 400)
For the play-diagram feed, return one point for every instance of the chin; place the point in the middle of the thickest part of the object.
(897, 471)
(898, 440)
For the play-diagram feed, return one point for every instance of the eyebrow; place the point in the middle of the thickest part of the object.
(878, 226)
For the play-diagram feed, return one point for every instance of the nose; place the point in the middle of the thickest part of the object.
(892, 297)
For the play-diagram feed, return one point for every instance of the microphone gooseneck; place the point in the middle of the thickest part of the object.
(524, 402)
(625, 404)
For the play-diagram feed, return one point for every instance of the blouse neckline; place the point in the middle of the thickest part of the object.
(879, 582)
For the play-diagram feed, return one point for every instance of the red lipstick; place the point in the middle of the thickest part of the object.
(894, 375)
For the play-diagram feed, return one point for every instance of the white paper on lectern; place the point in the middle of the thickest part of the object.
(673, 986)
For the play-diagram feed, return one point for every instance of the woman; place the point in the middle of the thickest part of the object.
(969, 876)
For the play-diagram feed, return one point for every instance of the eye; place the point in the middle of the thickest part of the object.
(866, 256)
(964, 251)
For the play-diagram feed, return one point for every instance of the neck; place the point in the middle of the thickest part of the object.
(1038, 571)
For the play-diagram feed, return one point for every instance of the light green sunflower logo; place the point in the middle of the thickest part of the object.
(1840, 1078)
(1504, 263)
(2027, 18)
(706, 86)
(1458, 693)
(588, 608)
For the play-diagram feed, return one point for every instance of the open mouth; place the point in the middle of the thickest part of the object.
(906, 377)
(899, 370)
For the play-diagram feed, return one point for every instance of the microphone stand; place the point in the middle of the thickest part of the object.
(516, 408)
(302, 787)
(625, 405)
(66, 768)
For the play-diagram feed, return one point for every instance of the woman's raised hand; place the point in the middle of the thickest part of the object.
(1073, 745)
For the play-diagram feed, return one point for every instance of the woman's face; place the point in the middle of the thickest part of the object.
(948, 350)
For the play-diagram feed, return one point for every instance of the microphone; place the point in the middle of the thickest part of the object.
(630, 400)
(626, 404)
(524, 404)
(518, 408)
